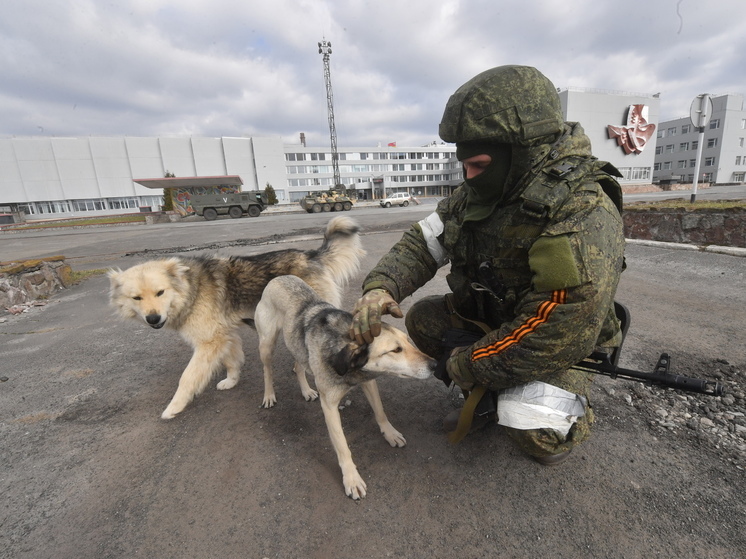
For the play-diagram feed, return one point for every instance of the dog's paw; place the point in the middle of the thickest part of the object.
(169, 413)
(392, 436)
(269, 401)
(310, 395)
(227, 383)
(354, 486)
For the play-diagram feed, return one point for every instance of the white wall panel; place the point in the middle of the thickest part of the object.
(208, 157)
(145, 158)
(269, 155)
(75, 168)
(177, 156)
(112, 167)
(11, 183)
(38, 169)
(239, 160)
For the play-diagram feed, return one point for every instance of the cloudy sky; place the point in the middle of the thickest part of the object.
(251, 67)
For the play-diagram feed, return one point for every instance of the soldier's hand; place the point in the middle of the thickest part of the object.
(366, 316)
(457, 369)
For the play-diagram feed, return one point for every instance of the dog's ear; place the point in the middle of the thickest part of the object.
(113, 276)
(176, 268)
(351, 357)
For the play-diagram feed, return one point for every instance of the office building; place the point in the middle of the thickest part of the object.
(723, 149)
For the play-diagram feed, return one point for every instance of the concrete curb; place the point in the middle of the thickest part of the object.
(731, 251)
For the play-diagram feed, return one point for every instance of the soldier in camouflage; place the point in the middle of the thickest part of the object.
(535, 244)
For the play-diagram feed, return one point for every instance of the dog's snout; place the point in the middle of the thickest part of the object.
(153, 319)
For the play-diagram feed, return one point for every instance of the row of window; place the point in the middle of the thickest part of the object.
(328, 181)
(314, 169)
(688, 128)
(362, 156)
(683, 164)
(686, 146)
(96, 204)
(635, 173)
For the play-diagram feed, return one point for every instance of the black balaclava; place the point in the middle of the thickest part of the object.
(486, 189)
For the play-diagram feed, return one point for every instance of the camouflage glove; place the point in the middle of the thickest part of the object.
(457, 368)
(366, 316)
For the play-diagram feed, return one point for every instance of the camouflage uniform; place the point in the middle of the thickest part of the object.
(554, 244)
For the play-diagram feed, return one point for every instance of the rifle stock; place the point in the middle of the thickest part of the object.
(599, 363)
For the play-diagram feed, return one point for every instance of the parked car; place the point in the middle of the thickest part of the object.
(398, 199)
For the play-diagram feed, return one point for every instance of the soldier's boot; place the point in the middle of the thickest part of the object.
(554, 459)
(450, 421)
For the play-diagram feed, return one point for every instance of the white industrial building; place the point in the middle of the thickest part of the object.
(56, 177)
(723, 159)
(60, 177)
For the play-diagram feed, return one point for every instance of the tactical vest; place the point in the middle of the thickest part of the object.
(489, 259)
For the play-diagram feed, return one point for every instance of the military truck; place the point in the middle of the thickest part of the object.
(330, 201)
(235, 205)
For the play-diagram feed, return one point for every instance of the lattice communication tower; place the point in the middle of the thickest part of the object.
(325, 48)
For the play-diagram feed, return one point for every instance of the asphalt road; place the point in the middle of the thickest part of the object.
(89, 470)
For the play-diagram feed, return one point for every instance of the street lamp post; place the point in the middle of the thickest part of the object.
(700, 113)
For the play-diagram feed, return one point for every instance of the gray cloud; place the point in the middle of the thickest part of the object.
(234, 68)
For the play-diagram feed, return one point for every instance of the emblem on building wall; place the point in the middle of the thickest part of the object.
(633, 137)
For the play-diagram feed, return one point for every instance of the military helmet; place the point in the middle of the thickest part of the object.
(508, 104)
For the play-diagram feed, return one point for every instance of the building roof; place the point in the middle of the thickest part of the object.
(190, 182)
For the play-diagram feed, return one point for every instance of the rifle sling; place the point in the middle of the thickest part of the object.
(473, 397)
(467, 414)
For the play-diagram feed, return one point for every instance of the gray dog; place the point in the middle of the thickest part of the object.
(316, 334)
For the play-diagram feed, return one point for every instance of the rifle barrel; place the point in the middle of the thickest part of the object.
(702, 386)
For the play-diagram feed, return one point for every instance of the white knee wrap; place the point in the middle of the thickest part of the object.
(538, 405)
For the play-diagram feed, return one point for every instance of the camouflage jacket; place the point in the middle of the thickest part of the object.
(555, 251)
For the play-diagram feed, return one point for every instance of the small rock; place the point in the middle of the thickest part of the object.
(728, 400)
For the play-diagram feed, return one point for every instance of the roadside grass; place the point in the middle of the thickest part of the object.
(78, 222)
(686, 205)
(77, 277)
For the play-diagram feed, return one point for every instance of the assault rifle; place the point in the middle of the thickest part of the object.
(601, 364)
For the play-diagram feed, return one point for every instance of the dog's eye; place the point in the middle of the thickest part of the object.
(398, 350)
(159, 293)
(137, 298)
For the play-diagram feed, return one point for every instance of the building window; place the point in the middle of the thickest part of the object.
(714, 124)
(666, 165)
(681, 164)
(695, 144)
(712, 142)
(662, 133)
(672, 131)
(686, 128)
(738, 159)
(669, 148)
(656, 167)
(709, 161)
(658, 150)
(739, 177)
(740, 142)
(684, 146)
(692, 162)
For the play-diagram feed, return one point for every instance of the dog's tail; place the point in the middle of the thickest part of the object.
(342, 250)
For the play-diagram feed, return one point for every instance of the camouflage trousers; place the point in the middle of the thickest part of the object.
(426, 323)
